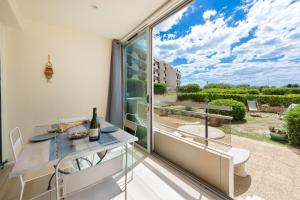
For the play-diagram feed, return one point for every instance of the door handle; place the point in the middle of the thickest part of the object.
(147, 99)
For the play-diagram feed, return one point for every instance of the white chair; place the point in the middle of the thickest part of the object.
(17, 147)
(91, 183)
(133, 127)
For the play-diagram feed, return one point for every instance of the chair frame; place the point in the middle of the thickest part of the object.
(72, 156)
(16, 156)
(132, 126)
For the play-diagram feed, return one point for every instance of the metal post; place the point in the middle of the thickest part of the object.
(126, 171)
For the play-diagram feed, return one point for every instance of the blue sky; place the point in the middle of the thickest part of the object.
(233, 41)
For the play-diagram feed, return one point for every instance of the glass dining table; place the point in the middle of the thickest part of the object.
(46, 154)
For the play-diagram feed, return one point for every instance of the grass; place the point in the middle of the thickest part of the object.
(258, 137)
(254, 136)
(263, 138)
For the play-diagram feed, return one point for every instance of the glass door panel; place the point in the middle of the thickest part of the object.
(135, 59)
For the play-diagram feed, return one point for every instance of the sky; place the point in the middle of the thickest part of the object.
(254, 42)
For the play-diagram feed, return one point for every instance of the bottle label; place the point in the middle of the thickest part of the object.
(93, 132)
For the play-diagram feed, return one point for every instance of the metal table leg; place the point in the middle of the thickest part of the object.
(126, 171)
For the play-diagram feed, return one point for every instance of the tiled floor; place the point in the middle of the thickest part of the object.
(274, 171)
(153, 180)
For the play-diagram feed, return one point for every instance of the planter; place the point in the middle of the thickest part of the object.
(271, 109)
(164, 113)
(278, 137)
(213, 121)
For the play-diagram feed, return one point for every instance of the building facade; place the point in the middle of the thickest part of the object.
(165, 73)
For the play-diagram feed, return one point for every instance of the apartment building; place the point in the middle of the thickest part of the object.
(165, 73)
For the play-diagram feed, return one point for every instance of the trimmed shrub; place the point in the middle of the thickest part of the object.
(292, 119)
(218, 85)
(292, 85)
(192, 87)
(196, 96)
(237, 97)
(278, 100)
(238, 109)
(272, 100)
(232, 91)
(243, 86)
(160, 88)
(280, 91)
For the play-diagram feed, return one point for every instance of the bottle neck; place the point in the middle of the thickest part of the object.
(94, 112)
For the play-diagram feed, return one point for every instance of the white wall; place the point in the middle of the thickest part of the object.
(81, 77)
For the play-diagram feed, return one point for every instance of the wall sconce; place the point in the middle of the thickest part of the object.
(48, 70)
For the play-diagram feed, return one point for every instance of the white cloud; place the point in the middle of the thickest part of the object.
(208, 14)
(276, 44)
(169, 23)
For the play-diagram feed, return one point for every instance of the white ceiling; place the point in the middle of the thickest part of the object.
(113, 18)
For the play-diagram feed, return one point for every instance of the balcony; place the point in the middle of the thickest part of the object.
(61, 59)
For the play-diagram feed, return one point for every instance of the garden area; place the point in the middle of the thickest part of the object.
(274, 121)
(271, 133)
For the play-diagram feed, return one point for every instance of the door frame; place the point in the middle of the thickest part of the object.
(134, 37)
(148, 26)
(1, 158)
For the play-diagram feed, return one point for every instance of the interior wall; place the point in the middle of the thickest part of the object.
(80, 82)
(1, 63)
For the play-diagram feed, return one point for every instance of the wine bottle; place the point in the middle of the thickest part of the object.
(93, 132)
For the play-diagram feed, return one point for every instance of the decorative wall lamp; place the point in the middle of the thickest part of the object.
(48, 70)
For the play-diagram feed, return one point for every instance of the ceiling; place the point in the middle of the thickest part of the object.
(112, 18)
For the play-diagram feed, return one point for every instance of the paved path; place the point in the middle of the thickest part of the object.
(274, 171)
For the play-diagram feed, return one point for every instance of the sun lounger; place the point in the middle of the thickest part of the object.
(252, 106)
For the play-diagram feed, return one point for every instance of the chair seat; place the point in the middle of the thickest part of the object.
(37, 174)
(68, 166)
(108, 189)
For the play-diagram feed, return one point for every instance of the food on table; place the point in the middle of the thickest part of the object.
(65, 126)
(79, 134)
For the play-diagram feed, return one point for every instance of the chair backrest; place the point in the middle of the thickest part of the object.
(293, 105)
(130, 125)
(73, 119)
(76, 181)
(16, 142)
(252, 105)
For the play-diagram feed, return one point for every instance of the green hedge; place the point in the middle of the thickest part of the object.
(292, 119)
(160, 88)
(192, 87)
(232, 91)
(278, 100)
(218, 85)
(280, 91)
(238, 109)
(237, 97)
(292, 85)
(197, 96)
(272, 100)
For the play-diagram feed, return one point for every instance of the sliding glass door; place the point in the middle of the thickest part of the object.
(137, 71)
